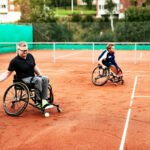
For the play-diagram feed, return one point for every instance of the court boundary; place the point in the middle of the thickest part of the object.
(129, 111)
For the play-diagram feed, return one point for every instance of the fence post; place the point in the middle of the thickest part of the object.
(93, 56)
(135, 53)
(54, 55)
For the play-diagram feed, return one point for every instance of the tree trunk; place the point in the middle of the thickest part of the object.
(112, 22)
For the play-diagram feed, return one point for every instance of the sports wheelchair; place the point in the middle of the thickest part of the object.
(101, 76)
(17, 97)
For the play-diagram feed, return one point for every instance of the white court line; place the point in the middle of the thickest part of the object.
(139, 72)
(69, 55)
(141, 56)
(142, 96)
(128, 116)
(143, 75)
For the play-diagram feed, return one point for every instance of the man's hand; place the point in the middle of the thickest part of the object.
(99, 63)
(5, 75)
(104, 67)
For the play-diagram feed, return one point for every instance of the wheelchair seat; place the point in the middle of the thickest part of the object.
(29, 85)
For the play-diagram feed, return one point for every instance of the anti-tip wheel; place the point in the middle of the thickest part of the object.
(122, 82)
(59, 110)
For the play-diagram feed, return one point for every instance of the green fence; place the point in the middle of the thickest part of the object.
(87, 46)
(11, 47)
(10, 34)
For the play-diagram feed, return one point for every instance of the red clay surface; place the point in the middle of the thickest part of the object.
(93, 117)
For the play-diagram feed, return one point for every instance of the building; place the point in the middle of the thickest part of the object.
(80, 2)
(9, 12)
(121, 6)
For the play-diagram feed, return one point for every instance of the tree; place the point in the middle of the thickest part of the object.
(25, 8)
(147, 2)
(36, 11)
(137, 14)
(89, 3)
(134, 2)
(110, 5)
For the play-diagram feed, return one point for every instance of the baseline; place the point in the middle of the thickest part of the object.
(128, 116)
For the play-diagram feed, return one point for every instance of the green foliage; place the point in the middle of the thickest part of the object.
(63, 3)
(42, 11)
(108, 35)
(137, 14)
(88, 18)
(76, 18)
(26, 9)
(133, 2)
(132, 32)
(89, 3)
(36, 11)
(92, 32)
(52, 32)
(147, 2)
(110, 5)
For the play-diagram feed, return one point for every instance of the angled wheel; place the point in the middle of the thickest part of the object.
(116, 79)
(15, 99)
(99, 76)
(50, 94)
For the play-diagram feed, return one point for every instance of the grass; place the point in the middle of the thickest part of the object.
(61, 12)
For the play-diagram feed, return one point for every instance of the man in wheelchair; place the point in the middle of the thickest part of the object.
(107, 59)
(27, 71)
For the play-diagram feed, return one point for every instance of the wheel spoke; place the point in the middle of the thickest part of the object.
(15, 99)
(99, 77)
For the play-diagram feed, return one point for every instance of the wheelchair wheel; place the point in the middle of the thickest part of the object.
(15, 99)
(99, 76)
(115, 79)
(50, 94)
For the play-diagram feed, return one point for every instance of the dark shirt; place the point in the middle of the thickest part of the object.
(107, 58)
(23, 67)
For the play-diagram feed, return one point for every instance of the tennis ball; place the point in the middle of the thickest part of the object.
(46, 114)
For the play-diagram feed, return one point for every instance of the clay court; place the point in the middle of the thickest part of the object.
(105, 117)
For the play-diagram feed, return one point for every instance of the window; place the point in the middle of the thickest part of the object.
(3, 6)
(121, 6)
(12, 7)
(100, 7)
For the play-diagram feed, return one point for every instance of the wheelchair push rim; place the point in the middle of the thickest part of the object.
(99, 76)
(50, 94)
(15, 99)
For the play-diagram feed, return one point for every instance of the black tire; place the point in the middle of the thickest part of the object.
(115, 79)
(50, 94)
(15, 99)
(99, 76)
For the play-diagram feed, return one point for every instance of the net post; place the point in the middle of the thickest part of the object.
(54, 54)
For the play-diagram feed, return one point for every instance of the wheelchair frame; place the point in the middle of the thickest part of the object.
(101, 76)
(17, 95)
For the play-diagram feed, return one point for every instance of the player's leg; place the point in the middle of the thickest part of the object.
(113, 69)
(45, 81)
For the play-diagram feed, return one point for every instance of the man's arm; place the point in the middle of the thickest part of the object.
(5, 75)
(37, 71)
(102, 57)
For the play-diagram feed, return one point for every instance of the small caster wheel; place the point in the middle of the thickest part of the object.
(122, 82)
(59, 110)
